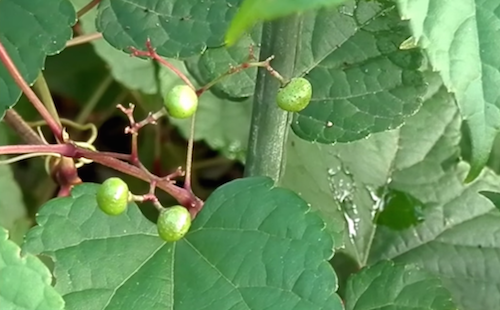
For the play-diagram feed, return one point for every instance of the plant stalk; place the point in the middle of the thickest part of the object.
(270, 125)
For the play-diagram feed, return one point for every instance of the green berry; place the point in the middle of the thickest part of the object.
(173, 223)
(181, 101)
(112, 196)
(295, 96)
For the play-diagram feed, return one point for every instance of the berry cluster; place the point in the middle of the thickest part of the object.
(113, 197)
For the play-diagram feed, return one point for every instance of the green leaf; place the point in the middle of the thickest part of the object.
(25, 281)
(457, 38)
(215, 62)
(362, 82)
(253, 11)
(135, 73)
(494, 197)
(397, 287)
(29, 35)
(456, 241)
(253, 246)
(13, 215)
(223, 124)
(177, 29)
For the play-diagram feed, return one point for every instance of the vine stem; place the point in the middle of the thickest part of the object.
(84, 38)
(30, 94)
(151, 53)
(270, 125)
(43, 91)
(246, 65)
(189, 156)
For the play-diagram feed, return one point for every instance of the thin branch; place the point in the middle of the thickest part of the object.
(42, 89)
(94, 99)
(246, 65)
(16, 75)
(151, 53)
(189, 156)
(25, 132)
(89, 6)
(84, 38)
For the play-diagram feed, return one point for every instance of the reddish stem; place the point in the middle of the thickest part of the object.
(16, 75)
(151, 53)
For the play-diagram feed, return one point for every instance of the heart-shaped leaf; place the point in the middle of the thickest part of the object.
(253, 246)
(29, 35)
(177, 28)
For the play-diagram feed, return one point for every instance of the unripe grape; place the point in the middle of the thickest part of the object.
(181, 101)
(295, 96)
(112, 196)
(173, 223)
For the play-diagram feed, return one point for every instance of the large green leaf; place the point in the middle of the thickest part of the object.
(253, 246)
(461, 40)
(252, 11)
(177, 28)
(362, 82)
(25, 280)
(30, 30)
(134, 73)
(396, 287)
(456, 239)
(223, 124)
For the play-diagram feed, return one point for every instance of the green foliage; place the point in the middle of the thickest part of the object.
(252, 11)
(25, 280)
(134, 73)
(455, 239)
(29, 38)
(362, 82)
(457, 38)
(13, 215)
(386, 285)
(177, 29)
(253, 246)
(216, 61)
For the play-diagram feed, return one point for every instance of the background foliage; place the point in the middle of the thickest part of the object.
(404, 109)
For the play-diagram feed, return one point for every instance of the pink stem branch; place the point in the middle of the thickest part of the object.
(16, 75)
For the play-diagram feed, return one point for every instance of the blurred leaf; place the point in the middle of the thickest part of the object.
(362, 82)
(29, 36)
(133, 72)
(253, 11)
(397, 287)
(25, 281)
(458, 39)
(177, 28)
(253, 246)
(13, 215)
(223, 124)
(399, 210)
(494, 197)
